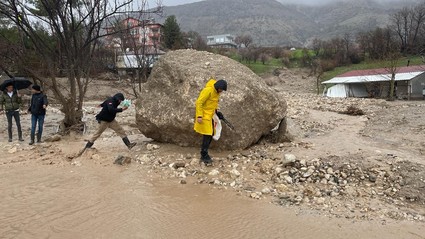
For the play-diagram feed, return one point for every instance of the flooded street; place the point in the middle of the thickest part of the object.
(117, 202)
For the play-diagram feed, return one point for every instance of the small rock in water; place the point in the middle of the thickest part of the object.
(121, 160)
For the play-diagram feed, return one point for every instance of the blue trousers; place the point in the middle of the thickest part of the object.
(34, 120)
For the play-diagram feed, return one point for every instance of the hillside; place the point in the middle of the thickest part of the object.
(273, 23)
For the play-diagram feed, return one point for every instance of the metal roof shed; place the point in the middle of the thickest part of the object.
(410, 83)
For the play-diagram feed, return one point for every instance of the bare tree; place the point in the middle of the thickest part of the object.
(245, 40)
(264, 58)
(317, 46)
(392, 68)
(407, 24)
(76, 27)
(277, 52)
(347, 41)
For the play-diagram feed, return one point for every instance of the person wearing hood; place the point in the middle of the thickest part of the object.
(37, 109)
(206, 106)
(106, 119)
(10, 101)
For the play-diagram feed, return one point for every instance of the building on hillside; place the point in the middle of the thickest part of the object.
(137, 36)
(409, 83)
(221, 41)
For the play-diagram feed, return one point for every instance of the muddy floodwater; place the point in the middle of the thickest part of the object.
(41, 201)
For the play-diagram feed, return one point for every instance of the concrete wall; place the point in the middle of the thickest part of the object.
(418, 85)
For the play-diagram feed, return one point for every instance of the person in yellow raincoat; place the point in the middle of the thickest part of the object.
(206, 106)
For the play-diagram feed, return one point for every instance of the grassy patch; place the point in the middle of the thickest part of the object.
(260, 68)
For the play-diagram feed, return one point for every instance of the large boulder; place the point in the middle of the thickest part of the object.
(166, 107)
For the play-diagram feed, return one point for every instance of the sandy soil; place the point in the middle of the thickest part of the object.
(164, 192)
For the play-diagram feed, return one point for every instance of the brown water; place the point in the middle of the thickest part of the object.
(116, 202)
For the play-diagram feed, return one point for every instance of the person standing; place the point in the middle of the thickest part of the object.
(106, 119)
(37, 109)
(206, 106)
(10, 101)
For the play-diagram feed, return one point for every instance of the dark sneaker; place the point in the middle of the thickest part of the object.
(21, 139)
(10, 140)
(131, 145)
(207, 160)
(31, 142)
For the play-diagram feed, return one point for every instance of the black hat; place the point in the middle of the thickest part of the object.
(221, 84)
(36, 87)
(119, 96)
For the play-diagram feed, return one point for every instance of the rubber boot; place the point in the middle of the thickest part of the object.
(38, 138)
(206, 141)
(9, 131)
(89, 144)
(32, 139)
(205, 158)
(127, 142)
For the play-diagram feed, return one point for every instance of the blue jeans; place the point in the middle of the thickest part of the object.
(34, 120)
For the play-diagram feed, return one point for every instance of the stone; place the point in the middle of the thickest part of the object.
(214, 172)
(76, 163)
(288, 179)
(179, 164)
(12, 150)
(53, 138)
(151, 147)
(235, 172)
(308, 173)
(166, 112)
(288, 159)
(372, 178)
(266, 191)
(121, 160)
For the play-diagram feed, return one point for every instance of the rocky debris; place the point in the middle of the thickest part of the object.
(353, 110)
(341, 186)
(121, 160)
(53, 138)
(166, 111)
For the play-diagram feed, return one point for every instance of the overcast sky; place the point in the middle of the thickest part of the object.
(180, 2)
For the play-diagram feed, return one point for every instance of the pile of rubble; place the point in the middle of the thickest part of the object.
(334, 185)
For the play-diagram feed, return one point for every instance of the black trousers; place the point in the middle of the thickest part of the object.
(13, 114)
(206, 141)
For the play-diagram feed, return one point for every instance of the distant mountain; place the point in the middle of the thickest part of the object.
(272, 23)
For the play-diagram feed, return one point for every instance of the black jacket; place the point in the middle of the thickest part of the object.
(37, 102)
(109, 108)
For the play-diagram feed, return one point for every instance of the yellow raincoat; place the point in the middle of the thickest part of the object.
(206, 104)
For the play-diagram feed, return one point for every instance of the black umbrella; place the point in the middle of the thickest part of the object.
(18, 83)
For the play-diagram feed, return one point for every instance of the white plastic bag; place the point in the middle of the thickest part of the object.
(126, 103)
(217, 127)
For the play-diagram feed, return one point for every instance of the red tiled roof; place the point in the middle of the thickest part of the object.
(382, 71)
